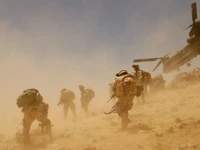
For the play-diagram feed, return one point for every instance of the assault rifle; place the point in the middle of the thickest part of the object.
(111, 97)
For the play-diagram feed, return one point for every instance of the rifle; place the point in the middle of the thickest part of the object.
(114, 109)
(111, 97)
(60, 103)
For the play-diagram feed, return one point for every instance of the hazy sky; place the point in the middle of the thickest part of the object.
(54, 42)
(51, 44)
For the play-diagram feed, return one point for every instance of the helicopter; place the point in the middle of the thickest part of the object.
(184, 55)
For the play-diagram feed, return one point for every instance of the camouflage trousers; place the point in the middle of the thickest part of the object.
(68, 106)
(144, 94)
(123, 106)
(85, 107)
(39, 113)
(85, 103)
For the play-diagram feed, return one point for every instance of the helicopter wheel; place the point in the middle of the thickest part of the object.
(188, 64)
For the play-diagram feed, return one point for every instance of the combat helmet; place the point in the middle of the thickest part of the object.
(63, 89)
(135, 66)
(81, 87)
(122, 72)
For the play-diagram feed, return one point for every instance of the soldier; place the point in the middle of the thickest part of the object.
(125, 89)
(157, 83)
(87, 95)
(143, 80)
(33, 108)
(66, 98)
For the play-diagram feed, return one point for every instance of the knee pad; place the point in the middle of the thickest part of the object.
(47, 123)
(24, 123)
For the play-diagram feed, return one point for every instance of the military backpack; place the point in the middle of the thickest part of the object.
(92, 93)
(29, 97)
(146, 77)
(67, 96)
(126, 86)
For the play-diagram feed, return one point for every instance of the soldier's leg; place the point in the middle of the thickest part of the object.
(73, 109)
(143, 97)
(40, 116)
(146, 94)
(84, 106)
(146, 90)
(46, 111)
(138, 99)
(124, 117)
(27, 121)
(65, 110)
(86, 109)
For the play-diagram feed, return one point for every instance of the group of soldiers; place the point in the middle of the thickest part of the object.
(125, 87)
(67, 98)
(184, 79)
(34, 108)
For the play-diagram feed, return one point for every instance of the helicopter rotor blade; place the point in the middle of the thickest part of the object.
(145, 59)
(157, 66)
(194, 11)
(194, 14)
(188, 27)
(166, 55)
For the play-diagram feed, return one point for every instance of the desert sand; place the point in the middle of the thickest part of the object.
(169, 120)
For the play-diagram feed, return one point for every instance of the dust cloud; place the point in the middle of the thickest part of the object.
(42, 63)
(46, 58)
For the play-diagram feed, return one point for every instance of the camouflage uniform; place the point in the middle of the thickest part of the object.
(125, 103)
(86, 96)
(66, 99)
(35, 111)
(140, 82)
(112, 93)
(157, 83)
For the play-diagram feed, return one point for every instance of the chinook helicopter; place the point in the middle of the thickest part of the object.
(185, 55)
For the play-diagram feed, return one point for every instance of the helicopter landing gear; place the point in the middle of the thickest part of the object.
(188, 64)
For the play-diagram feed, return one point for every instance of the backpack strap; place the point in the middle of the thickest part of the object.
(128, 75)
(142, 74)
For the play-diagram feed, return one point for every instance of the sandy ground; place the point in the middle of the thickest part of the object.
(169, 120)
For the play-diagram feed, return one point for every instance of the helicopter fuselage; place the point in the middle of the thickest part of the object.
(182, 57)
(185, 55)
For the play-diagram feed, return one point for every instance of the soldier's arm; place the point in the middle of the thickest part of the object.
(61, 100)
(114, 85)
(74, 96)
(140, 75)
(85, 93)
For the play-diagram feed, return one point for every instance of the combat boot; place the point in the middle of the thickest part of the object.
(125, 123)
(26, 137)
(49, 131)
(26, 140)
